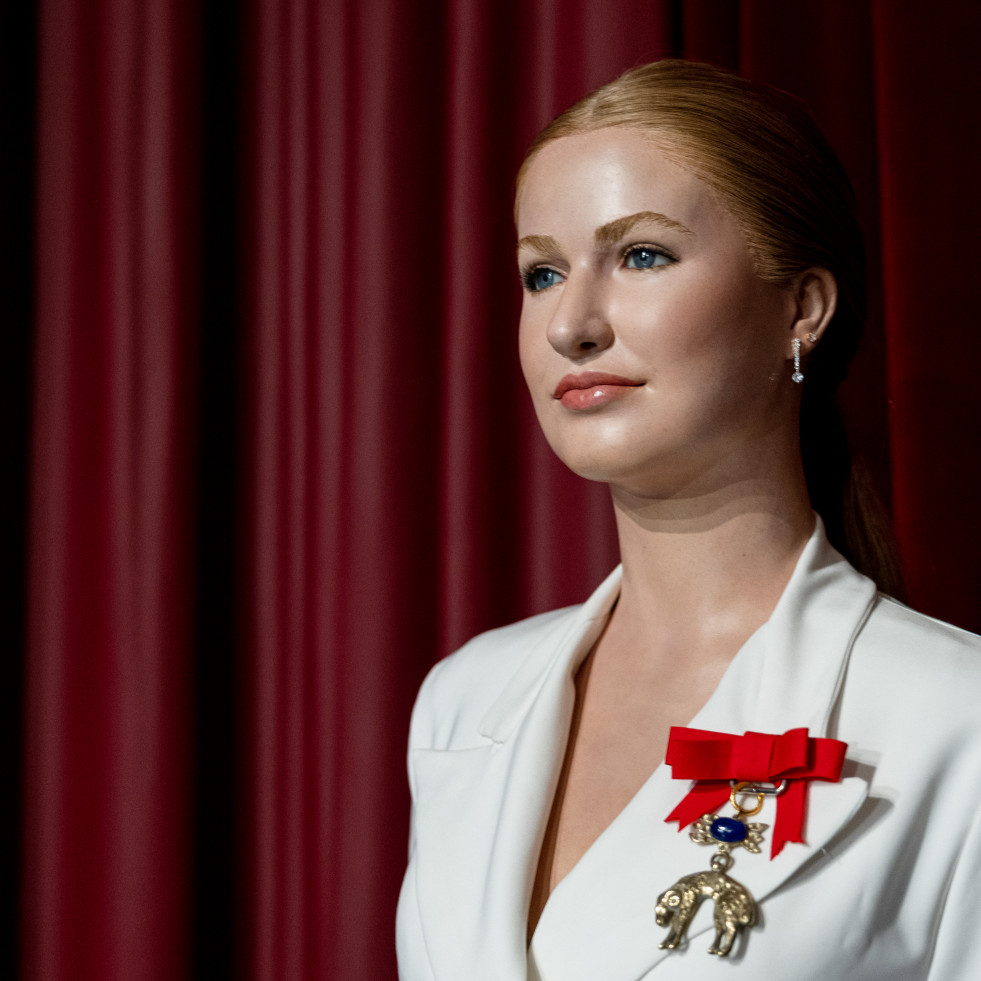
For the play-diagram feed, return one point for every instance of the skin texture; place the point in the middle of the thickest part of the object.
(708, 338)
(701, 450)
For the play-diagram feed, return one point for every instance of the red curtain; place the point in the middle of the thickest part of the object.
(278, 455)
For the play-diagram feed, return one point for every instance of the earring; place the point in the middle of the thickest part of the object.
(812, 337)
(797, 376)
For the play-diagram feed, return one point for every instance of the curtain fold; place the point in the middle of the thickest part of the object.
(106, 849)
(282, 459)
(343, 383)
(929, 145)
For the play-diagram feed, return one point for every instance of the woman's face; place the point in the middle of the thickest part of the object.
(655, 356)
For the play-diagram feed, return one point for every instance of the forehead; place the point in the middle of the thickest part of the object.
(596, 177)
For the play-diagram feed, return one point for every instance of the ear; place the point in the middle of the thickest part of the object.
(816, 292)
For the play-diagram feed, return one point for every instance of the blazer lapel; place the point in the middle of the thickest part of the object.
(482, 811)
(599, 922)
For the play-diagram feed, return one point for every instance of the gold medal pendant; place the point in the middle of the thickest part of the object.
(735, 908)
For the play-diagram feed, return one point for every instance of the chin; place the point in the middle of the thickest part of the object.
(644, 470)
(608, 464)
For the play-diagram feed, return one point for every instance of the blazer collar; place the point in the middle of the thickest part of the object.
(554, 662)
(482, 811)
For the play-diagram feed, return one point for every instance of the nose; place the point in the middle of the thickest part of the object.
(580, 327)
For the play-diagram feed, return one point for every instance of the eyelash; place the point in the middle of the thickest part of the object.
(658, 250)
(527, 275)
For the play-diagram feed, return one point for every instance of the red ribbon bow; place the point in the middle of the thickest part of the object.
(715, 758)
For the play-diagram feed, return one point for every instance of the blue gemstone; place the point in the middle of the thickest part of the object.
(727, 829)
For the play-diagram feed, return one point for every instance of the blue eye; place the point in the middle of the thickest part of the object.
(646, 257)
(541, 278)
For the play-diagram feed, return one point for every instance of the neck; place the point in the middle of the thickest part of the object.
(705, 565)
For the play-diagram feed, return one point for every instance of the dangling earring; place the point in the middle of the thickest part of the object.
(797, 376)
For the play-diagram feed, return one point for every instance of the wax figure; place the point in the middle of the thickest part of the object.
(740, 757)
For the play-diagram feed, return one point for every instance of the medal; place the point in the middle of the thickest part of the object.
(735, 907)
(728, 766)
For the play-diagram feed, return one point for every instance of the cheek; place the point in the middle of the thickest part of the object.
(714, 351)
(532, 348)
(730, 322)
(676, 330)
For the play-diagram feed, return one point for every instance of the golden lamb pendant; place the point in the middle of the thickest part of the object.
(735, 908)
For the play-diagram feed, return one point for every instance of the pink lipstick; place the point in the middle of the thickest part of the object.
(590, 389)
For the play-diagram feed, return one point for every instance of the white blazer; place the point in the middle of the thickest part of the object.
(887, 886)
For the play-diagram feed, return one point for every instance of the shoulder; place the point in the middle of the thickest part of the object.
(459, 690)
(479, 693)
(917, 677)
(897, 639)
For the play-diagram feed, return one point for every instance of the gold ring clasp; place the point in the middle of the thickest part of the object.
(740, 788)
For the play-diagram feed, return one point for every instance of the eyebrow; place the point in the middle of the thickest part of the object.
(543, 244)
(606, 235)
(613, 231)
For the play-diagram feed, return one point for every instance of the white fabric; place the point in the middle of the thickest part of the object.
(887, 885)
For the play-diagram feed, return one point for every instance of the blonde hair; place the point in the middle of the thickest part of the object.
(763, 154)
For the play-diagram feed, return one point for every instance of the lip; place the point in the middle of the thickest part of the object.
(590, 389)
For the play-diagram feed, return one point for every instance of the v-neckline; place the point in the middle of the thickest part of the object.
(754, 645)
